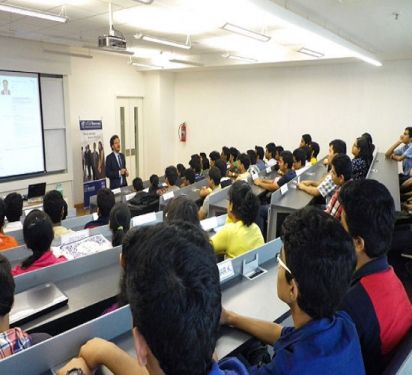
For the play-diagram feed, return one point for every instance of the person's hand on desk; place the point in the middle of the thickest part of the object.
(258, 182)
(75, 363)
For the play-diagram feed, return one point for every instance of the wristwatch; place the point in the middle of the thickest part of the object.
(75, 371)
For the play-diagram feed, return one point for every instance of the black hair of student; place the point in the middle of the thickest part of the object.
(307, 151)
(180, 169)
(299, 156)
(182, 209)
(321, 257)
(38, 235)
(105, 201)
(195, 164)
(343, 166)
(260, 152)
(195, 156)
(53, 205)
(119, 222)
(234, 152)
(171, 175)
(138, 184)
(370, 214)
(2, 209)
(287, 158)
(245, 160)
(189, 175)
(409, 130)
(154, 184)
(369, 138)
(365, 151)
(202, 155)
(174, 293)
(279, 149)
(7, 286)
(338, 146)
(245, 204)
(315, 149)
(215, 175)
(65, 210)
(271, 147)
(205, 162)
(222, 166)
(214, 155)
(252, 156)
(13, 206)
(226, 152)
(307, 139)
(112, 139)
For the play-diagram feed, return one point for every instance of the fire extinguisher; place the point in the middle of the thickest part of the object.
(182, 132)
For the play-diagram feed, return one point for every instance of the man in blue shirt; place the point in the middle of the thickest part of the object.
(315, 269)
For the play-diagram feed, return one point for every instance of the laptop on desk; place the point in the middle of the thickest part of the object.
(36, 301)
(36, 192)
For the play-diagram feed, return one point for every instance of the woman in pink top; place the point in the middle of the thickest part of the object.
(38, 236)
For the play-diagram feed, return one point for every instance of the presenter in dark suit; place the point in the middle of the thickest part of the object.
(116, 170)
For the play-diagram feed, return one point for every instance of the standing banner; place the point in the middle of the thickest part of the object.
(93, 158)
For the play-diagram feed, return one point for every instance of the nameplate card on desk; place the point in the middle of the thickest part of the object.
(209, 224)
(168, 195)
(226, 270)
(75, 236)
(143, 219)
(95, 216)
(116, 191)
(268, 169)
(129, 196)
(284, 189)
(86, 246)
(254, 175)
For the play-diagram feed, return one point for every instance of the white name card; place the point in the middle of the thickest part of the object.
(268, 169)
(226, 270)
(254, 175)
(143, 219)
(208, 224)
(95, 216)
(116, 191)
(73, 237)
(284, 189)
(168, 195)
(129, 196)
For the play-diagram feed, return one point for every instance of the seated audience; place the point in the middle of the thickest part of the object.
(314, 272)
(341, 172)
(213, 186)
(240, 233)
(214, 155)
(170, 179)
(225, 154)
(38, 236)
(181, 209)
(233, 160)
(306, 140)
(180, 169)
(253, 160)
(140, 194)
(105, 202)
(188, 178)
(362, 158)
(6, 242)
(299, 161)
(204, 161)
(260, 155)
(243, 166)
(154, 184)
(376, 301)
(174, 294)
(314, 152)
(13, 204)
(196, 166)
(270, 153)
(53, 206)
(285, 168)
(370, 141)
(119, 222)
(325, 187)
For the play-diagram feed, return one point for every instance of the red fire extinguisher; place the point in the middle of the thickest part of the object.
(182, 132)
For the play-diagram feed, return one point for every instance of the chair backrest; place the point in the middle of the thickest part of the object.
(401, 362)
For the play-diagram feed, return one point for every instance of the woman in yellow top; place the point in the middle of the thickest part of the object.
(240, 233)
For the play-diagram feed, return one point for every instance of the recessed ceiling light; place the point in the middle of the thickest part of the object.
(185, 62)
(310, 52)
(245, 32)
(166, 42)
(241, 58)
(148, 66)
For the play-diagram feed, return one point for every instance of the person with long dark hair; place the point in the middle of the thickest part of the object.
(119, 222)
(362, 160)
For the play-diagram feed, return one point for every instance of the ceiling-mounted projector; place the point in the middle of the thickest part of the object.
(117, 42)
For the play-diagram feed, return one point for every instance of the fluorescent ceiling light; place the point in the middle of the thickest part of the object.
(166, 42)
(245, 32)
(310, 52)
(241, 58)
(32, 13)
(149, 66)
(146, 2)
(367, 59)
(185, 62)
(64, 53)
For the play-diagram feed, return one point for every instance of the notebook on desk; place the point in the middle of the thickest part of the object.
(33, 302)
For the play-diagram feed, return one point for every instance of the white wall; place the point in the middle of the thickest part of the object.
(254, 106)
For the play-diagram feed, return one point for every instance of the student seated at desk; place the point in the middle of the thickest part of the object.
(299, 160)
(253, 160)
(341, 173)
(213, 186)
(260, 155)
(180, 169)
(6, 242)
(170, 180)
(306, 140)
(13, 210)
(243, 166)
(196, 165)
(233, 160)
(270, 152)
(119, 222)
(105, 202)
(314, 152)
(314, 272)
(181, 209)
(213, 156)
(377, 300)
(188, 177)
(138, 188)
(325, 187)
(362, 159)
(38, 236)
(225, 154)
(285, 169)
(204, 161)
(53, 206)
(175, 299)
(240, 233)
(154, 184)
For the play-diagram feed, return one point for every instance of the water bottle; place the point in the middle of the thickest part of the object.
(59, 188)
